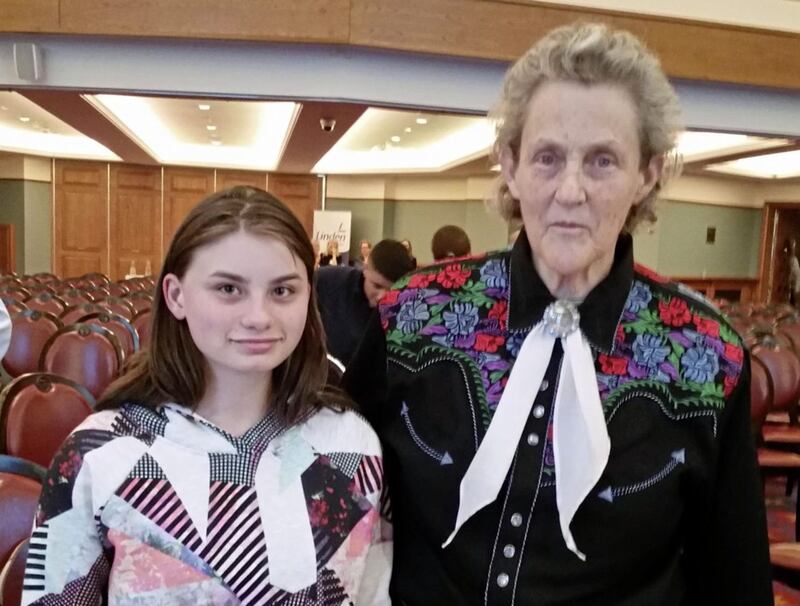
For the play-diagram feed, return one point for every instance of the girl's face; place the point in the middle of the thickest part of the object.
(245, 301)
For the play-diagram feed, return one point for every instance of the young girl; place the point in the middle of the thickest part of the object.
(221, 469)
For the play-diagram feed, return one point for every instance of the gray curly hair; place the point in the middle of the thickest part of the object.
(591, 54)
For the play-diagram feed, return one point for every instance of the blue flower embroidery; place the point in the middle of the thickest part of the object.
(514, 343)
(638, 298)
(650, 350)
(700, 364)
(412, 315)
(493, 274)
(462, 320)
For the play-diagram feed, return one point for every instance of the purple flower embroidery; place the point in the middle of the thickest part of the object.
(700, 364)
(650, 350)
(462, 320)
(638, 298)
(412, 315)
(493, 274)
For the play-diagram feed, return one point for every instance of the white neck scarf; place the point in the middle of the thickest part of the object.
(580, 437)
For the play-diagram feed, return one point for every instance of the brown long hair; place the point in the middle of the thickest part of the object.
(172, 369)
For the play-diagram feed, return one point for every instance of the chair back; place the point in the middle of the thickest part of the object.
(792, 332)
(140, 301)
(89, 354)
(37, 412)
(48, 302)
(121, 327)
(783, 367)
(30, 330)
(20, 486)
(142, 323)
(761, 391)
(13, 306)
(121, 307)
(97, 294)
(73, 296)
(17, 293)
(12, 576)
(116, 289)
(95, 279)
(72, 313)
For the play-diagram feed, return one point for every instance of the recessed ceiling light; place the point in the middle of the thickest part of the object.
(211, 127)
(422, 120)
(408, 129)
(396, 139)
(203, 107)
(24, 119)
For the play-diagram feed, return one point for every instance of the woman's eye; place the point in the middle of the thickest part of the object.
(545, 159)
(228, 289)
(604, 161)
(282, 291)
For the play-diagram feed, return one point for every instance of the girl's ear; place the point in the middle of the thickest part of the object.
(173, 296)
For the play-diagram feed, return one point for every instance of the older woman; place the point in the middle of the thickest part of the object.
(562, 426)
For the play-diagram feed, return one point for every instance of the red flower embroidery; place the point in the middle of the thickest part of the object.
(490, 343)
(730, 383)
(452, 276)
(498, 312)
(389, 298)
(706, 326)
(619, 334)
(649, 273)
(674, 312)
(734, 353)
(613, 366)
(421, 280)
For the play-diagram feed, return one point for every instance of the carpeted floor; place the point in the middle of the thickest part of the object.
(780, 518)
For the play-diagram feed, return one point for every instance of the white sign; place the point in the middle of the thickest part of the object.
(332, 225)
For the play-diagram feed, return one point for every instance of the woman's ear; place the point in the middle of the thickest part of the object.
(651, 175)
(173, 296)
(508, 167)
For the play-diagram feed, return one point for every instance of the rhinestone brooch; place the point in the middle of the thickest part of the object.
(561, 318)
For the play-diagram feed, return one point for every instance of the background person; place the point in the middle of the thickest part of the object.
(331, 255)
(220, 463)
(560, 425)
(347, 296)
(450, 241)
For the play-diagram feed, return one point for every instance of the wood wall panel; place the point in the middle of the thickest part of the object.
(29, 15)
(135, 219)
(490, 29)
(230, 178)
(301, 193)
(80, 218)
(688, 49)
(183, 189)
(278, 20)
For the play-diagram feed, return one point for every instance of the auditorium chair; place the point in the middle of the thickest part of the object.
(71, 314)
(12, 576)
(37, 412)
(121, 327)
(95, 279)
(30, 330)
(73, 296)
(141, 322)
(15, 292)
(117, 305)
(13, 306)
(48, 302)
(97, 294)
(89, 354)
(140, 300)
(117, 289)
(20, 486)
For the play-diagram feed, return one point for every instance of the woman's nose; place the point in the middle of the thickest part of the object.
(571, 188)
(258, 314)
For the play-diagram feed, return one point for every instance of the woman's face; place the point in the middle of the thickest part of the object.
(245, 300)
(578, 174)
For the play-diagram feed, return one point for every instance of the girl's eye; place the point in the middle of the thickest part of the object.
(283, 291)
(228, 289)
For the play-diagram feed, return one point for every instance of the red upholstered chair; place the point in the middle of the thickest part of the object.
(95, 279)
(30, 330)
(86, 353)
(48, 302)
(13, 306)
(16, 292)
(140, 301)
(72, 313)
(783, 367)
(73, 296)
(142, 323)
(761, 395)
(117, 289)
(20, 485)
(121, 307)
(37, 412)
(97, 294)
(121, 327)
(13, 576)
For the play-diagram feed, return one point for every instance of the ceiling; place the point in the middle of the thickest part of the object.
(307, 136)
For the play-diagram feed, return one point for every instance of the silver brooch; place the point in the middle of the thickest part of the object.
(561, 318)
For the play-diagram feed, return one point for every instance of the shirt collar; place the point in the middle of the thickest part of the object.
(600, 311)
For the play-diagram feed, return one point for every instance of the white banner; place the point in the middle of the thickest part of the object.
(332, 225)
